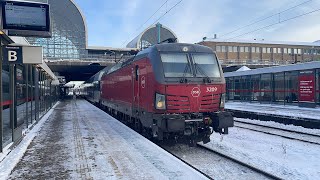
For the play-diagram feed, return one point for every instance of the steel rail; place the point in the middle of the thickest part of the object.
(280, 135)
(265, 173)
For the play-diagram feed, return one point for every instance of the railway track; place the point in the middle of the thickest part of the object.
(216, 165)
(285, 133)
(260, 171)
(193, 167)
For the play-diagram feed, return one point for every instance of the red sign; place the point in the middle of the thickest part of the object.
(306, 86)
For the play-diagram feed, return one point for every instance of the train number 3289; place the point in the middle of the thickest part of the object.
(212, 89)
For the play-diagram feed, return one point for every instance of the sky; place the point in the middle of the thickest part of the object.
(114, 23)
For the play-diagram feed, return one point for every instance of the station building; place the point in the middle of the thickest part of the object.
(263, 53)
(295, 84)
(28, 92)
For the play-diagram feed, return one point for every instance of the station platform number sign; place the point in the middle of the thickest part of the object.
(12, 54)
(22, 54)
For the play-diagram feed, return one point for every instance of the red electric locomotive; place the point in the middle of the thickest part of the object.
(169, 91)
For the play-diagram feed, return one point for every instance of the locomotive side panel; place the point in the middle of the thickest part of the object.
(116, 88)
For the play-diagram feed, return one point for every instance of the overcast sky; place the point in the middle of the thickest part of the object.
(115, 22)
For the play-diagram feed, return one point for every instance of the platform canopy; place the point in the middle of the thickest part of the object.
(151, 36)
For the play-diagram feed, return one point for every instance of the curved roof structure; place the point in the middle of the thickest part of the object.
(69, 31)
(149, 37)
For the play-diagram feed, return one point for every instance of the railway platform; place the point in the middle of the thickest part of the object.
(80, 141)
(306, 117)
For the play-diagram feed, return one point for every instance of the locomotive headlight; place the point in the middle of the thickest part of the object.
(222, 100)
(160, 101)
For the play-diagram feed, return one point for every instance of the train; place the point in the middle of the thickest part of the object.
(171, 91)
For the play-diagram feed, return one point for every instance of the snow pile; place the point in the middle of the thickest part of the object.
(243, 68)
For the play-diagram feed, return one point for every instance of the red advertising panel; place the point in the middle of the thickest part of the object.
(306, 86)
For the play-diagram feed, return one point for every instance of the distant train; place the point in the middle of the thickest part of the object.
(167, 91)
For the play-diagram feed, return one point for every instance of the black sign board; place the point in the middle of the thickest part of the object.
(12, 54)
(26, 19)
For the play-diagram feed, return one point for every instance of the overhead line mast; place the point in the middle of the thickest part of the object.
(167, 11)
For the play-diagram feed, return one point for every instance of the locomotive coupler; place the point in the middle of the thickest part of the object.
(221, 121)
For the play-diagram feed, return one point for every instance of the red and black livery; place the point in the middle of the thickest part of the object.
(172, 90)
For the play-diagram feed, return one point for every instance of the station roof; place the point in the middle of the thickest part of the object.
(316, 43)
(149, 37)
(276, 69)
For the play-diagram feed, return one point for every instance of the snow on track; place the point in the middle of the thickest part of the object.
(285, 158)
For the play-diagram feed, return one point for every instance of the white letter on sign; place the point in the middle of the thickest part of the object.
(12, 56)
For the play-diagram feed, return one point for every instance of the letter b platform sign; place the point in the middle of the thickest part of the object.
(12, 54)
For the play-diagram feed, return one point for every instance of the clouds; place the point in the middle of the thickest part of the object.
(111, 23)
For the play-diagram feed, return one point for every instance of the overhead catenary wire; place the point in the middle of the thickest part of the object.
(167, 11)
(279, 22)
(146, 20)
(268, 17)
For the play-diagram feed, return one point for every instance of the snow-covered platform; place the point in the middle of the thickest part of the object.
(306, 117)
(80, 141)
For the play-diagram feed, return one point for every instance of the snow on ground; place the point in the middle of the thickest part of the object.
(285, 158)
(292, 111)
(282, 126)
(212, 164)
(10, 158)
(79, 141)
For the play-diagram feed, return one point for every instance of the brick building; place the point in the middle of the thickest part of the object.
(260, 52)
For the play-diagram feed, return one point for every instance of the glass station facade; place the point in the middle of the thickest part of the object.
(69, 32)
(27, 95)
(291, 84)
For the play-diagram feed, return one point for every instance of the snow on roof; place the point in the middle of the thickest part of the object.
(243, 68)
(264, 42)
(276, 69)
(74, 84)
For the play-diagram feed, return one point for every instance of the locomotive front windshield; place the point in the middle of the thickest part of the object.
(176, 65)
(206, 65)
(190, 65)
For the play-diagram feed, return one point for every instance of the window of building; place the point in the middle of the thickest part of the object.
(258, 50)
(255, 79)
(266, 87)
(285, 50)
(295, 51)
(264, 50)
(230, 49)
(274, 50)
(299, 51)
(268, 50)
(241, 49)
(218, 48)
(246, 49)
(289, 50)
(279, 50)
(253, 49)
(235, 49)
(279, 87)
(223, 48)
(237, 87)
(230, 88)
(292, 85)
